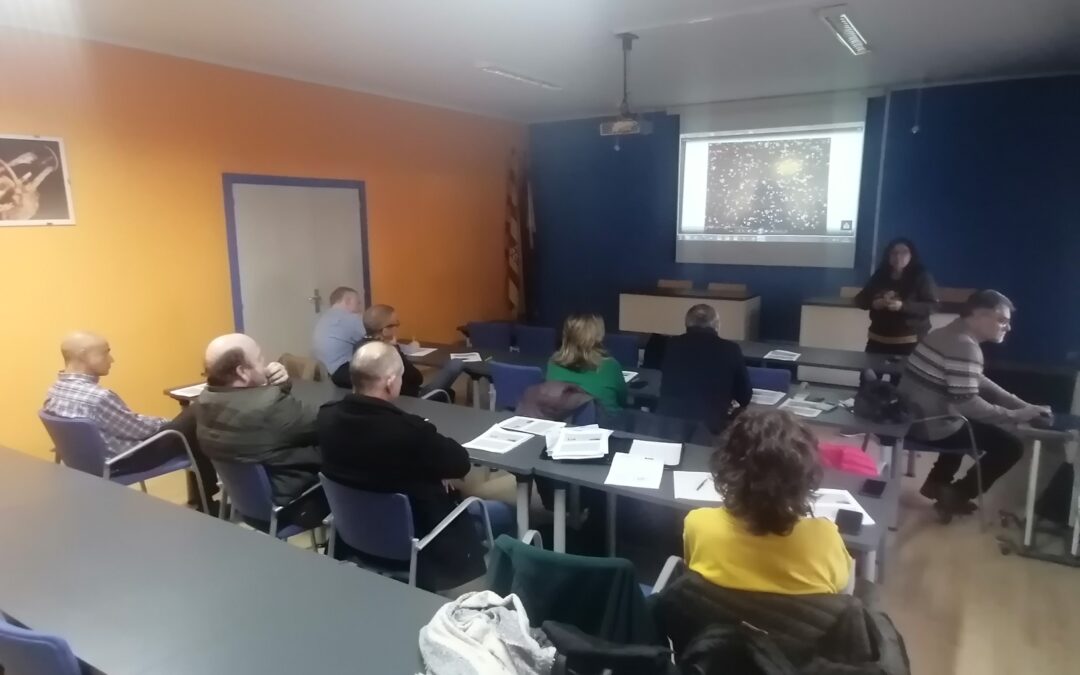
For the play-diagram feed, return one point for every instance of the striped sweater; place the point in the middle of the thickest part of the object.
(944, 376)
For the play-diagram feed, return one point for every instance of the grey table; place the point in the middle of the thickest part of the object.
(869, 541)
(139, 585)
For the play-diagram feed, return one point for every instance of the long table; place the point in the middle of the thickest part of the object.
(139, 585)
(663, 311)
(464, 424)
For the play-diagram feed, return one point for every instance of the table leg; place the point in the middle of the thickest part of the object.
(559, 525)
(523, 484)
(1072, 455)
(894, 457)
(869, 566)
(1029, 504)
(612, 518)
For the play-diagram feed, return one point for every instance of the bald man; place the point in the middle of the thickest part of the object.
(246, 414)
(77, 392)
(369, 443)
(381, 324)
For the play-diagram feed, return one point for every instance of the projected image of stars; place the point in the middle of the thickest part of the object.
(768, 187)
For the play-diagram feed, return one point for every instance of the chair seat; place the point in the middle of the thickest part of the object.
(912, 445)
(176, 464)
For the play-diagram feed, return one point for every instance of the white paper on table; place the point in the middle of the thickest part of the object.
(409, 350)
(696, 486)
(628, 375)
(828, 501)
(467, 357)
(783, 355)
(498, 440)
(767, 397)
(794, 408)
(847, 403)
(577, 442)
(637, 472)
(669, 454)
(189, 392)
(531, 425)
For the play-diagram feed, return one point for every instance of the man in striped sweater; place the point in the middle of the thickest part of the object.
(944, 376)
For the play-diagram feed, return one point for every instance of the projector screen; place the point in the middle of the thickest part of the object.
(770, 197)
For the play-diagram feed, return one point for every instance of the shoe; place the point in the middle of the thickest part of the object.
(931, 490)
(951, 503)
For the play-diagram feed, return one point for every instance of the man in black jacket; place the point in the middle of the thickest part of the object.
(371, 444)
(381, 324)
(703, 373)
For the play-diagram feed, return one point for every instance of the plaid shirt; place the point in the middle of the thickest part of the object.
(76, 395)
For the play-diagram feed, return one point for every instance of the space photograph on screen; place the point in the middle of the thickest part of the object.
(768, 187)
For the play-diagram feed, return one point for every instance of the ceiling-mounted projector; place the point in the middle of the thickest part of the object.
(626, 124)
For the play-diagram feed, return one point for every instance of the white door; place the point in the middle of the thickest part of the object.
(293, 246)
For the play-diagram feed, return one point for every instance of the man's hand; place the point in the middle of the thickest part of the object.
(276, 374)
(878, 303)
(894, 305)
(1028, 413)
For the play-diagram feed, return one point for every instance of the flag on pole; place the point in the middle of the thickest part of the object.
(516, 198)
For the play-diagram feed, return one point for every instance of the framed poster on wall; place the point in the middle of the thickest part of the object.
(35, 188)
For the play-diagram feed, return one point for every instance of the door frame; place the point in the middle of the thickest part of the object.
(228, 180)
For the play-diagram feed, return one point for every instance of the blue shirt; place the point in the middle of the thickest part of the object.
(337, 332)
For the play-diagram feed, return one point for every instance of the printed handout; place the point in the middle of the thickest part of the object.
(696, 486)
(497, 440)
(670, 454)
(638, 472)
(189, 392)
(767, 397)
(795, 408)
(783, 355)
(531, 425)
(467, 357)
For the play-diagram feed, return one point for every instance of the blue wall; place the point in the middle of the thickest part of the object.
(988, 189)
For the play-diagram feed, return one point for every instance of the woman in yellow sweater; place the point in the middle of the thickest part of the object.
(765, 468)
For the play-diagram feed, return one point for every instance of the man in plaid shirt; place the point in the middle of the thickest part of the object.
(77, 392)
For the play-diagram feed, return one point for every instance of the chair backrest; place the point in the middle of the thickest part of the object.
(946, 294)
(374, 523)
(849, 291)
(585, 415)
(78, 442)
(773, 379)
(248, 487)
(511, 381)
(28, 652)
(536, 340)
(731, 288)
(624, 348)
(681, 284)
(494, 335)
(302, 367)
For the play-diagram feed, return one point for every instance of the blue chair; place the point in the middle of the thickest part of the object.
(28, 652)
(585, 415)
(536, 340)
(381, 524)
(511, 381)
(772, 379)
(913, 446)
(624, 348)
(246, 491)
(491, 335)
(80, 446)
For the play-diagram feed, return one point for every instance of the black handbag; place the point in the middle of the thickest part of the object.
(880, 401)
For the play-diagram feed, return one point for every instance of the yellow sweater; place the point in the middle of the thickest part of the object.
(811, 559)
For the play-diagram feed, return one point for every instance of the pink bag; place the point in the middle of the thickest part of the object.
(847, 458)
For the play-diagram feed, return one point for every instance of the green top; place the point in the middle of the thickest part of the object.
(605, 384)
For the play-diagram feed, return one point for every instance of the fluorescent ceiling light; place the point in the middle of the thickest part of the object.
(502, 72)
(838, 18)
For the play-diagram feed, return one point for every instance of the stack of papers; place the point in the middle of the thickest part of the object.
(410, 350)
(497, 440)
(578, 442)
(467, 357)
(696, 486)
(531, 425)
(828, 501)
(628, 375)
(783, 355)
(189, 392)
(668, 454)
(800, 408)
(766, 397)
(637, 472)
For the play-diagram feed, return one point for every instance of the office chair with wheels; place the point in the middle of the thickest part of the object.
(80, 446)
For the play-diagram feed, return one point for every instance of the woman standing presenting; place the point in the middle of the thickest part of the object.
(900, 296)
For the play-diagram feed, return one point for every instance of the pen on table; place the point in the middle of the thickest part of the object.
(701, 484)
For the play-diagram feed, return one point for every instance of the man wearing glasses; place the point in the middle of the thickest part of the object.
(381, 324)
(944, 376)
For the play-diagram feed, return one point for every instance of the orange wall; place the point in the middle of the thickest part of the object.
(147, 138)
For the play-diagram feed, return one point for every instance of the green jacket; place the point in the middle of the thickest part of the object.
(600, 596)
(606, 384)
(261, 425)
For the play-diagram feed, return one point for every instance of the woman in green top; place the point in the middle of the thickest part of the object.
(582, 360)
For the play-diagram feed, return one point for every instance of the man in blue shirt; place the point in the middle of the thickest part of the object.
(338, 332)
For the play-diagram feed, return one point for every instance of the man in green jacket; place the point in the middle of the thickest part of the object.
(247, 415)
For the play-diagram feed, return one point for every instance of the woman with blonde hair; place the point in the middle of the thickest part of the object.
(582, 360)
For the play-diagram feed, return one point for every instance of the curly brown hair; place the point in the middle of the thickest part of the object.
(766, 466)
